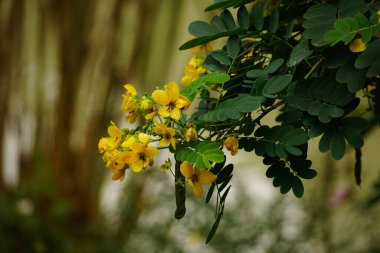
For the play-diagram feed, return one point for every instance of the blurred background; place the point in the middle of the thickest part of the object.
(63, 65)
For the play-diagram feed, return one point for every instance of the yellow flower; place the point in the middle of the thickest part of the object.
(108, 144)
(131, 140)
(248, 55)
(192, 70)
(130, 99)
(148, 107)
(130, 103)
(232, 144)
(116, 165)
(191, 133)
(357, 46)
(167, 134)
(172, 102)
(102, 145)
(140, 156)
(196, 178)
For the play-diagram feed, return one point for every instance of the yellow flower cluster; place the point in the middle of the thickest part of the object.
(192, 70)
(124, 149)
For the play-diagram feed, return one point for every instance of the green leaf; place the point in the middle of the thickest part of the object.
(297, 187)
(342, 26)
(232, 108)
(366, 35)
(361, 20)
(278, 84)
(221, 57)
(319, 20)
(200, 28)
(214, 156)
(333, 36)
(214, 77)
(224, 174)
(355, 123)
(228, 19)
(299, 53)
(324, 143)
(214, 228)
(274, 65)
(257, 17)
(273, 21)
(255, 73)
(293, 150)
(286, 183)
(338, 145)
(243, 17)
(348, 8)
(307, 173)
(374, 70)
(218, 24)
(210, 193)
(233, 46)
(205, 39)
(353, 137)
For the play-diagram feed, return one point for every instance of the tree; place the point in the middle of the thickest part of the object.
(311, 60)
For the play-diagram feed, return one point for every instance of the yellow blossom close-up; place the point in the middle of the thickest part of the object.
(232, 144)
(140, 156)
(196, 178)
(193, 69)
(171, 101)
(167, 135)
(357, 46)
(190, 133)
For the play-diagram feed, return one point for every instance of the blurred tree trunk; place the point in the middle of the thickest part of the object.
(9, 51)
(87, 41)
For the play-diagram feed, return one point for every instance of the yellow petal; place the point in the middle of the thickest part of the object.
(160, 129)
(138, 148)
(129, 157)
(114, 131)
(102, 145)
(172, 91)
(164, 111)
(206, 177)
(161, 97)
(131, 117)
(186, 169)
(129, 142)
(151, 151)
(137, 166)
(131, 90)
(357, 46)
(164, 142)
(173, 142)
(175, 113)
(144, 138)
(119, 175)
(197, 188)
(150, 115)
(182, 103)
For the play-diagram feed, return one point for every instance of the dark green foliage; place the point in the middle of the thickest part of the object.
(321, 97)
(294, 56)
(232, 108)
